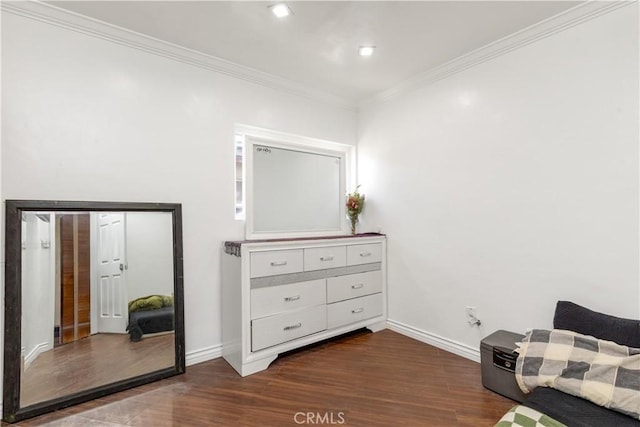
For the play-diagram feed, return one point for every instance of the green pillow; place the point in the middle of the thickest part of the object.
(151, 302)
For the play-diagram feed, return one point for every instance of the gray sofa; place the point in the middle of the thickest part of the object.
(574, 411)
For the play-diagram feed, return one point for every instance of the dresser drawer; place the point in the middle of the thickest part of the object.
(277, 299)
(354, 310)
(271, 263)
(273, 330)
(353, 285)
(325, 257)
(364, 254)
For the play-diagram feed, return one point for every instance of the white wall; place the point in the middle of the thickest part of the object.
(512, 185)
(149, 254)
(88, 119)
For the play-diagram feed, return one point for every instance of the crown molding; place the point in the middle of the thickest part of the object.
(541, 30)
(62, 18)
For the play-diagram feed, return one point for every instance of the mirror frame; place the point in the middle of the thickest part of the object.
(262, 137)
(11, 409)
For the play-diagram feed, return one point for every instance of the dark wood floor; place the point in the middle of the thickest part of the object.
(364, 379)
(93, 361)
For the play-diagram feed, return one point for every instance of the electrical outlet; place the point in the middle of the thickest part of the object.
(472, 317)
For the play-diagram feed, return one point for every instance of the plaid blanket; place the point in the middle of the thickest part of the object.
(600, 371)
(521, 416)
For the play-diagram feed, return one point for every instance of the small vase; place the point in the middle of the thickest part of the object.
(354, 220)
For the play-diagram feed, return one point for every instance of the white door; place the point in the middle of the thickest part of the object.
(112, 290)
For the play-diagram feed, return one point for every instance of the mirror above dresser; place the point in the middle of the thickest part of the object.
(295, 186)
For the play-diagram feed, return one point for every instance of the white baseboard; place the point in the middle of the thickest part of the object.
(202, 355)
(35, 352)
(445, 344)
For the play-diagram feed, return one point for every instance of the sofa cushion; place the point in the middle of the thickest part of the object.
(574, 411)
(573, 317)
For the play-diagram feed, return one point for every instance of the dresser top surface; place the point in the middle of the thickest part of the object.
(300, 239)
(233, 247)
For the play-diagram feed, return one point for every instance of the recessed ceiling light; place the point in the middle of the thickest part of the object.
(280, 10)
(366, 50)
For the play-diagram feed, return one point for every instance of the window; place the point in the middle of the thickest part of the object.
(239, 177)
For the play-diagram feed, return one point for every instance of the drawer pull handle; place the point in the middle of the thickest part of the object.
(278, 263)
(357, 286)
(357, 310)
(365, 254)
(293, 298)
(290, 327)
(326, 258)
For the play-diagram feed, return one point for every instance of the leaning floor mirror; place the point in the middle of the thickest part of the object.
(93, 301)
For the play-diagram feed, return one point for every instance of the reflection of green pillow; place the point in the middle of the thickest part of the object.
(151, 302)
(167, 301)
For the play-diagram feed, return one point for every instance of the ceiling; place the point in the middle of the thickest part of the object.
(318, 45)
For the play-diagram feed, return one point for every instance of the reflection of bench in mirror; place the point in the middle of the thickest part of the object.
(149, 322)
(151, 314)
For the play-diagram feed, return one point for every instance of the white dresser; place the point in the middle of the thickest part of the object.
(278, 295)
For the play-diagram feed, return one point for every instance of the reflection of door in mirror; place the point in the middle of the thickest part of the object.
(111, 295)
(80, 273)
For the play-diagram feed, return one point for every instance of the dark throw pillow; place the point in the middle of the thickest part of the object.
(573, 317)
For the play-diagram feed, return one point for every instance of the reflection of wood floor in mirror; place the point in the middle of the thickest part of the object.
(93, 361)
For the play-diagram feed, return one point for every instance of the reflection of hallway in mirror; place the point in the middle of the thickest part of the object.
(93, 361)
(75, 280)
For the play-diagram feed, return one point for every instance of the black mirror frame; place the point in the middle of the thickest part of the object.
(11, 410)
